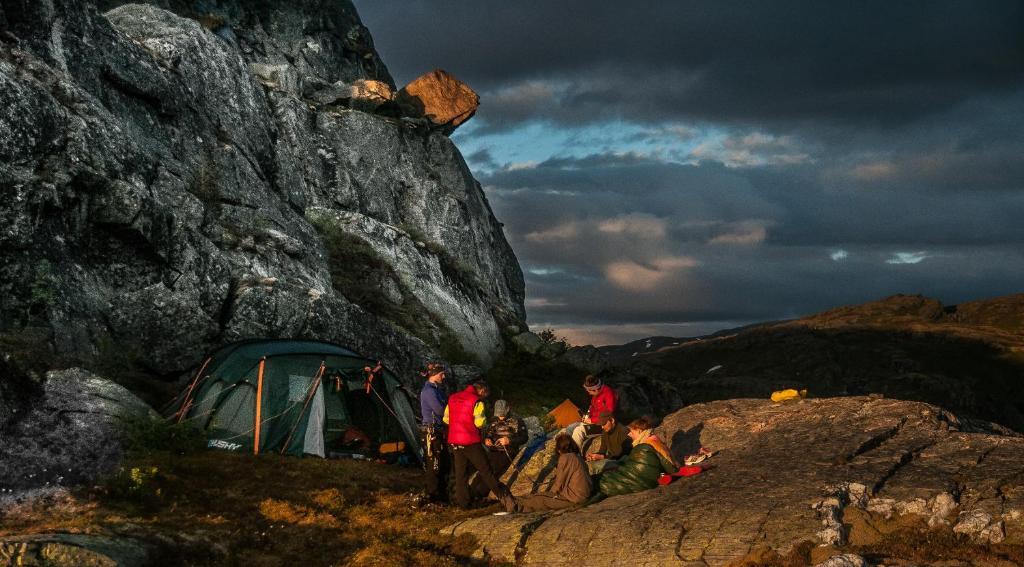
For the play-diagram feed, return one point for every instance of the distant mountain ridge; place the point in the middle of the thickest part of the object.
(967, 357)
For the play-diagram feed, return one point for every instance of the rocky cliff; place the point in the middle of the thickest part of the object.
(172, 179)
(898, 482)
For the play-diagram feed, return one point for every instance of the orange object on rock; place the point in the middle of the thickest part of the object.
(565, 413)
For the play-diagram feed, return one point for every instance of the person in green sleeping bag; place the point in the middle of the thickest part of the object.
(640, 469)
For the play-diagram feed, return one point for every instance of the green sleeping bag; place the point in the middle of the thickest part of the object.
(639, 471)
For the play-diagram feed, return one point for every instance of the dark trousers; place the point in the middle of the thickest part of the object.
(499, 462)
(435, 467)
(464, 455)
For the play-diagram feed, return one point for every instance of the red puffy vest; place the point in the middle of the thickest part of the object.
(461, 429)
(605, 400)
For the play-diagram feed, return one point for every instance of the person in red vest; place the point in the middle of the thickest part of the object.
(464, 415)
(602, 400)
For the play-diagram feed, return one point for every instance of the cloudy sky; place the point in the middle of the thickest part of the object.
(675, 168)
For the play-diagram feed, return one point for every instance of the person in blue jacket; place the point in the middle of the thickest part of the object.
(433, 400)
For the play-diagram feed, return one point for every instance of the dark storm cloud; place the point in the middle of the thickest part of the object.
(757, 240)
(760, 62)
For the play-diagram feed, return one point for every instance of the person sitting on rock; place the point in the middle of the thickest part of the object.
(641, 468)
(572, 484)
(602, 399)
(615, 443)
(504, 435)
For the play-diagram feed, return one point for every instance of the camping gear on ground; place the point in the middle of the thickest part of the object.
(565, 413)
(700, 456)
(788, 394)
(637, 471)
(667, 478)
(296, 397)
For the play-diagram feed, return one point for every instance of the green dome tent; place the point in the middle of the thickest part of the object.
(308, 397)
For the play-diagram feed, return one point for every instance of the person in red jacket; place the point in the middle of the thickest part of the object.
(603, 399)
(464, 415)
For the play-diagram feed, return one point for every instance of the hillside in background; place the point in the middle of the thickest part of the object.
(968, 358)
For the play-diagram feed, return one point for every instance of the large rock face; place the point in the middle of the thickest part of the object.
(832, 472)
(167, 187)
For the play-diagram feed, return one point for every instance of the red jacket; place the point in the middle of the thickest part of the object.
(461, 428)
(605, 400)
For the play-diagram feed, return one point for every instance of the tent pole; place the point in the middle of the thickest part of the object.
(186, 403)
(259, 406)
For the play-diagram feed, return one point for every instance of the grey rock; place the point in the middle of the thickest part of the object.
(844, 560)
(76, 550)
(527, 342)
(365, 95)
(587, 358)
(158, 170)
(465, 373)
(70, 434)
(783, 474)
(551, 350)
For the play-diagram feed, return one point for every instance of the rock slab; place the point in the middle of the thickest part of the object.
(783, 474)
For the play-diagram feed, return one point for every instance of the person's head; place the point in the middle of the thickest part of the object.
(607, 421)
(565, 444)
(501, 409)
(435, 372)
(592, 384)
(482, 389)
(639, 425)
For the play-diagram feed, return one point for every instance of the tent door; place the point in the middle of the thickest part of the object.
(313, 444)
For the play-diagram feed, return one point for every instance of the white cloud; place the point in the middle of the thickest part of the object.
(907, 258)
(534, 302)
(642, 225)
(632, 276)
(744, 234)
(839, 255)
(751, 150)
(566, 231)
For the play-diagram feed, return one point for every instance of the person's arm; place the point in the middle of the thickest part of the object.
(446, 414)
(561, 476)
(479, 420)
(489, 434)
(521, 436)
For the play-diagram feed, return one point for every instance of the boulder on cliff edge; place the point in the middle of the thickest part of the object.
(440, 98)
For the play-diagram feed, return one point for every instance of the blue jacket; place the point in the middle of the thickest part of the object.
(432, 403)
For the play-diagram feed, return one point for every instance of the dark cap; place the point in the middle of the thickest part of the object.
(603, 417)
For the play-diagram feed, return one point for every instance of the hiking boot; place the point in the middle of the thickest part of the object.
(508, 502)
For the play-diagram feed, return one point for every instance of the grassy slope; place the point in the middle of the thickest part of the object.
(226, 509)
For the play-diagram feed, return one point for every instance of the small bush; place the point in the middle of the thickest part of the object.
(548, 337)
(144, 434)
(137, 485)
(42, 292)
